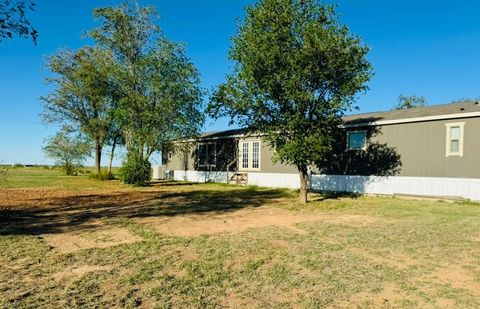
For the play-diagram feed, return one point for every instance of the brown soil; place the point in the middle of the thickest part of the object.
(74, 220)
(456, 276)
(97, 235)
(389, 297)
(71, 220)
(241, 220)
(393, 260)
(78, 271)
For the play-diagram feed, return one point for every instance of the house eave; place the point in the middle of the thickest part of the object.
(351, 125)
(410, 120)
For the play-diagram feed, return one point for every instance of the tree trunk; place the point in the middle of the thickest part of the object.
(303, 184)
(98, 156)
(112, 154)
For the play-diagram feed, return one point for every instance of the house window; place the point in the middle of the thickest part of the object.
(245, 154)
(249, 155)
(255, 155)
(207, 155)
(356, 140)
(454, 143)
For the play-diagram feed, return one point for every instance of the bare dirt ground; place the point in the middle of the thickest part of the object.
(96, 235)
(242, 220)
(72, 221)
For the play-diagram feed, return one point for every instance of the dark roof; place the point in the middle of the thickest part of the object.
(220, 134)
(434, 110)
(366, 118)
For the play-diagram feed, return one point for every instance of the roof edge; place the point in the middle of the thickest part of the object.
(353, 125)
(415, 119)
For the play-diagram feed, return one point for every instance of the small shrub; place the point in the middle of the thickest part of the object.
(104, 175)
(70, 169)
(3, 174)
(136, 170)
(18, 165)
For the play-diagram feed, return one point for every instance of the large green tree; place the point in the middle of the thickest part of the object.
(13, 19)
(159, 87)
(298, 69)
(83, 95)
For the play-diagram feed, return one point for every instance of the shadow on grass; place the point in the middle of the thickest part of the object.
(59, 214)
(170, 183)
(330, 195)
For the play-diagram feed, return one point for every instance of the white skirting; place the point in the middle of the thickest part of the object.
(198, 176)
(429, 186)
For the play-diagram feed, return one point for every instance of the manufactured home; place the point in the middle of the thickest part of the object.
(429, 151)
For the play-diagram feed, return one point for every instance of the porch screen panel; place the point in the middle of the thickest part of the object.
(212, 154)
(202, 154)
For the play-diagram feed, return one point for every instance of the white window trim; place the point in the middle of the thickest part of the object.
(348, 140)
(198, 151)
(448, 152)
(250, 155)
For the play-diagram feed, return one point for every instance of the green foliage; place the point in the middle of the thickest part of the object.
(297, 71)
(136, 170)
(13, 20)
(68, 150)
(103, 175)
(3, 174)
(83, 95)
(377, 158)
(160, 98)
(406, 102)
(471, 99)
(134, 87)
(18, 165)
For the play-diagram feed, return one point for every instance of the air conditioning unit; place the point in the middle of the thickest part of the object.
(158, 172)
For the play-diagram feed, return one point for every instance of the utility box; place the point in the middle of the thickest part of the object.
(159, 172)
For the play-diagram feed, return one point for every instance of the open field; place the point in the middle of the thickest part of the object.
(77, 242)
(52, 179)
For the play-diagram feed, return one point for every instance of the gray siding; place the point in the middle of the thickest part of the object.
(226, 151)
(266, 163)
(422, 147)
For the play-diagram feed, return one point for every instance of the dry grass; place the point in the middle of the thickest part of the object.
(205, 245)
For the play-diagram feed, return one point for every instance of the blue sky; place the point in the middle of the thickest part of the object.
(429, 48)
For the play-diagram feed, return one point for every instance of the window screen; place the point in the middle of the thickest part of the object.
(207, 154)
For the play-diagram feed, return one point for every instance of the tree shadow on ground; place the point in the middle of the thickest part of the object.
(170, 183)
(77, 211)
(331, 195)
